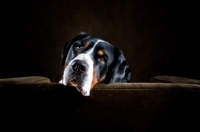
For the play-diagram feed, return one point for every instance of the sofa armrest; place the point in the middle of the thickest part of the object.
(24, 80)
(174, 79)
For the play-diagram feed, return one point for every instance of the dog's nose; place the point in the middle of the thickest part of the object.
(79, 66)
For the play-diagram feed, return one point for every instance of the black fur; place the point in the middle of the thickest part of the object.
(119, 70)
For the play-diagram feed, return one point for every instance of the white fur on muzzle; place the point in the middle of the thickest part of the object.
(86, 81)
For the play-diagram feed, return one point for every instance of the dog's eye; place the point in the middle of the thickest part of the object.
(102, 59)
(78, 47)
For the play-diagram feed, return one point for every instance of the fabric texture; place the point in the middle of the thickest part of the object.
(174, 79)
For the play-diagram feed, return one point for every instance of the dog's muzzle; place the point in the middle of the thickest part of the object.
(79, 73)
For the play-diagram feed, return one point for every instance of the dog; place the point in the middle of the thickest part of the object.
(88, 60)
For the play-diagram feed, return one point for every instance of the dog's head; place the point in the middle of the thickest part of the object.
(89, 60)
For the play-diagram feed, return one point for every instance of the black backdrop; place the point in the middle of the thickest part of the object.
(156, 37)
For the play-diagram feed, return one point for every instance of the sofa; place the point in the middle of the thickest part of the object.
(165, 103)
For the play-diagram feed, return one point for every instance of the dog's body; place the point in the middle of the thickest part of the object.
(89, 60)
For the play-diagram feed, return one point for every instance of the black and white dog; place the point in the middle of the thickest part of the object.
(89, 60)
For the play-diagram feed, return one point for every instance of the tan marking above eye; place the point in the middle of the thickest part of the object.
(100, 53)
(86, 43)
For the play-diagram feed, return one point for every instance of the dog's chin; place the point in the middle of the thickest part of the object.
(78, 87)
(74, 84)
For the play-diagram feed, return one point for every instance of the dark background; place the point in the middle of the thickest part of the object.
(156, 37)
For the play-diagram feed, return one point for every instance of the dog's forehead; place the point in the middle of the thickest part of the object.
(90, 39)
(97, 44)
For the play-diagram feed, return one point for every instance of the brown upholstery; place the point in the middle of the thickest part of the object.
(139, 107)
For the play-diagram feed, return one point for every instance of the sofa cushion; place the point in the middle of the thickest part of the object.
(174, 79)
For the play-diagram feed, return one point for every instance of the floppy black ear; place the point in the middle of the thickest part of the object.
(119, 70)
(68, 44)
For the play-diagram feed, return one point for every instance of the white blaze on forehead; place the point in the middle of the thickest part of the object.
(87, 81)
(90, 51)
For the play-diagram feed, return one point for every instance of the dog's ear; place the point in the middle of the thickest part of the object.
(119, 70)
(68, 44)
